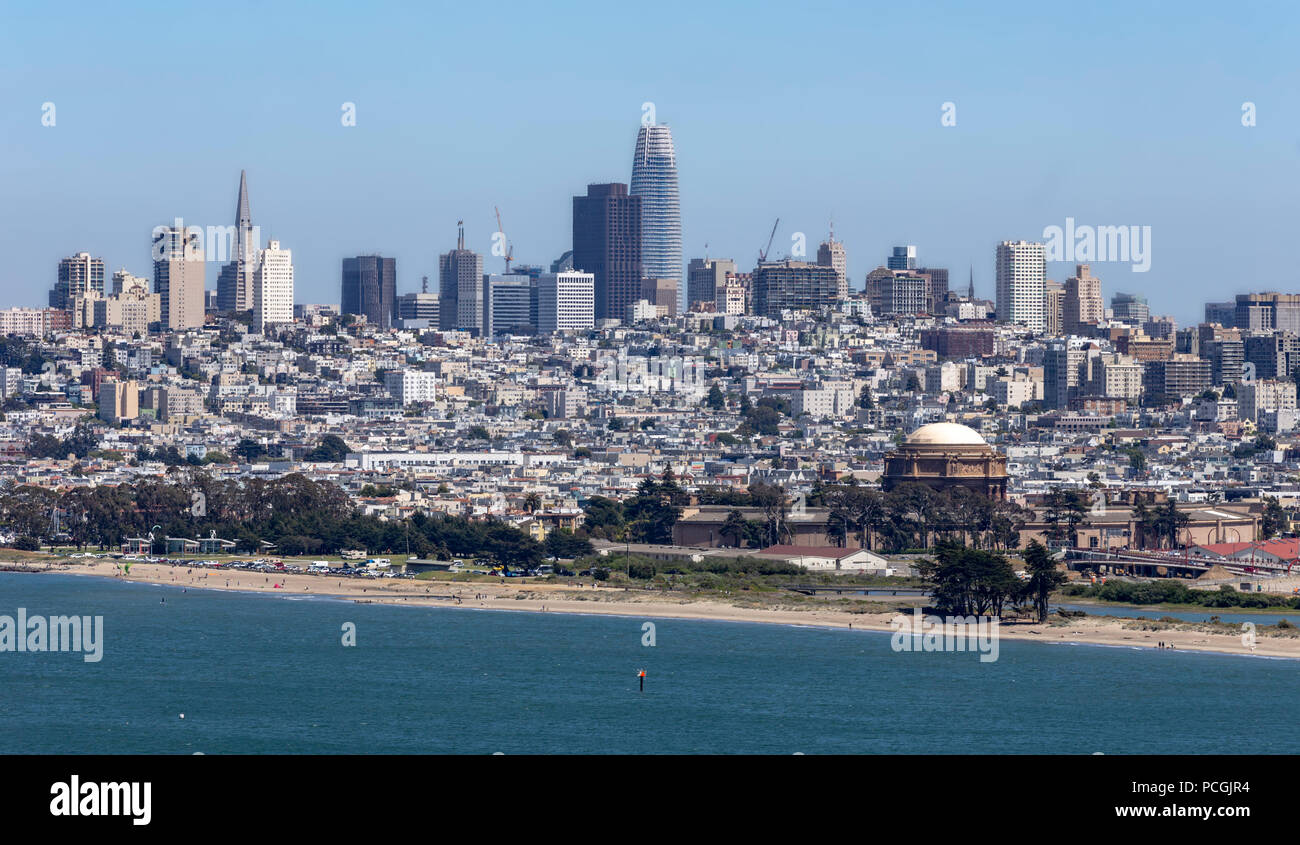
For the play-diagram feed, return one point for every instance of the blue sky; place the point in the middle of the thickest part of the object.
(1111, 113)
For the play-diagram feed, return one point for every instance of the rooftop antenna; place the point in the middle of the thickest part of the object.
(424, 284)
(460, 234)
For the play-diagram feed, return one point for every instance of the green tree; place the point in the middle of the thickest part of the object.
(715, 400)
(331, 449)
(1043, 577)
(564, 543)
(1274, 520)
(969, 582)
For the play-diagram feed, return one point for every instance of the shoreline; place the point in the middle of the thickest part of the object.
(616, 601)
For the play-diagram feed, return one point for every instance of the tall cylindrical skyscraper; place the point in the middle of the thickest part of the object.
(654, 179)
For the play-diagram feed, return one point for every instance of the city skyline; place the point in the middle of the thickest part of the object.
(862, 148)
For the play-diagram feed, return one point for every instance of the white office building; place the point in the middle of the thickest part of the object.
(566, 302)
(1022, 284)
(409, 386)
(273, 287)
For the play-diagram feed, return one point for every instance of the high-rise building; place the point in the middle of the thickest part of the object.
(1061, 366)
(903, 292)
(119, 401)
(1130, 308)
(788, 284)
(566, 301)
(1082, 308)
(938, 277)
(370, 289)
(1227, 355)
(564, 263)
(831, 254)
(1267, 312)
(507, 305)
(1223, 313)
(875, 286)
(419, 306)
(661, 293)
(705, 277)
(237, 278)
(411, 386)
(1118, 377)
(460, 288)
(1053, 302)
(1275, 355)
(1021, 276)
(654, 180)
(607, 244)
(178, 276)
(125, 281)
(131, 309)
(903, 258)
(1261, 395)
(79, 275)
(1179, 375)
(732, 295)
(273, 287)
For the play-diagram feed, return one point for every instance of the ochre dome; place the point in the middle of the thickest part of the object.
(945, 434)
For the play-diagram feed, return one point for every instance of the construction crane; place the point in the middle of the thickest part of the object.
(762, 253)
(510, 249)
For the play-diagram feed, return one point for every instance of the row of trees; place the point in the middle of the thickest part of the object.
(915, 516)
(298, 515)
(908, 517)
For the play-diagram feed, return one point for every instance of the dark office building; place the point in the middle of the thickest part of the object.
(607, 244)
(1226, 357)
(1274, 356)
(460, 293)
(370, 288)
(938, 288)
(1182, 375)
(508, 304)
(795, 285)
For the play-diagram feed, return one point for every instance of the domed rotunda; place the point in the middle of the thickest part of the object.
(946, 455)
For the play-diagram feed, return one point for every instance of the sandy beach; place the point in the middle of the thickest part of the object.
(562, 597)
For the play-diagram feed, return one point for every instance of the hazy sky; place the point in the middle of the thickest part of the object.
(1110, 113)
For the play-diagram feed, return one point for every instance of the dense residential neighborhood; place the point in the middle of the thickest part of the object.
(570, 430)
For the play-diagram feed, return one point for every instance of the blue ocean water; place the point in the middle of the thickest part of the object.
(263, 674)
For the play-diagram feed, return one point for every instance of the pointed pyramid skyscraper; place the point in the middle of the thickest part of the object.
(235, 284)
(242, 216)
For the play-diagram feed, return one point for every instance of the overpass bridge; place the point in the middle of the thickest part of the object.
(1170, 564)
